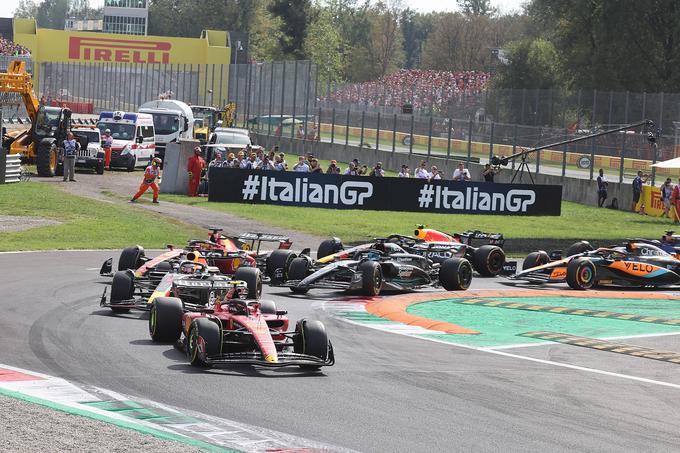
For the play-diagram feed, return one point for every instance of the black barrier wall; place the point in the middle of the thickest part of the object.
(382, 194)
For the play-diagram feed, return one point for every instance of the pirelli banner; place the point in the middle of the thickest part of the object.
(382, 194)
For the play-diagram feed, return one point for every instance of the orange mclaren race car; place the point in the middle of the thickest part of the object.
(635, 264)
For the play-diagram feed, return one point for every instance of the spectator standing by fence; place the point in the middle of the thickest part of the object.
(314, 167)
(489, 173)
(404, 173)
(301, 166)
(70, 148)
(378, 170)
(639, 180)
(666, 194)
(601, 189)
(461, 173)
(333, 168)
(421, 172)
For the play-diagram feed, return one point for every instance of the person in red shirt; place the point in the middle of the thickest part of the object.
(151, 173)
(195, 167)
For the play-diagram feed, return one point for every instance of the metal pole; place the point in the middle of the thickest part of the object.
(514, 144)
(259, 95)
(592, 144)
(271, 99)
(332, 126)
(361, 136)
(469, 147)
(623, 154)
(538, 154)
(644, 104)
(377, 133)
(564, 154)
(394, 134)
(283, 94)
(347, 130)
(248, 94)
(429, 138)
(410, 144)
(493, 127)
(308, 88)
(236, 76)
(448, 141)
(295, 73)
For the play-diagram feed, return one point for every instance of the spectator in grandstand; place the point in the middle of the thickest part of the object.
(279, 163)
(333, 168)
(302, 166)
(252, 163)
(217, 161)
(461, 173)
(229, 163)
(314, 166)
(10, 48)
(282, 157)
(489, 173)
(435, 173)
(265, 164)
(301, 131)
(421, 172)
(404, 173)
(378, 170)
(601, 188)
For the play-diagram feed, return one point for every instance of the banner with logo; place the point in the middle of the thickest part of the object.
(289, 188)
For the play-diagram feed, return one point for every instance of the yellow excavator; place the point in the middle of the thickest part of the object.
(48, 124)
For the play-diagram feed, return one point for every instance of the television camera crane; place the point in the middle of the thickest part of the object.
(498, 161)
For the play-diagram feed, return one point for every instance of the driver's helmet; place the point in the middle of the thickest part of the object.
(630, 247)
(186, 268)
(372, 256)
(380, 246)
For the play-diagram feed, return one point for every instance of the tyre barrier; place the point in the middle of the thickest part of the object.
(12, 168)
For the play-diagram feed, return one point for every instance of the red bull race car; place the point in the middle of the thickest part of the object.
(233, 330)
(638, 263)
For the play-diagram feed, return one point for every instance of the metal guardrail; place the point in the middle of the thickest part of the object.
(13, 168)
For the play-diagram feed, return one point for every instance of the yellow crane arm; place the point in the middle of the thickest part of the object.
(18, 80)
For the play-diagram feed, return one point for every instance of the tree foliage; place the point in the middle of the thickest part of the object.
(476, 7)
(294, 15)
(53, 13)
(324, 46)
(415, 28)
(532, 63)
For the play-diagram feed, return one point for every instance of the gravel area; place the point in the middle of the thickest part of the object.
(19, 223)
(28, 427)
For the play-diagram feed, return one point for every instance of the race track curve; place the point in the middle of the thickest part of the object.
(386, 393)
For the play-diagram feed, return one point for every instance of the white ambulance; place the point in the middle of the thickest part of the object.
(134, 139)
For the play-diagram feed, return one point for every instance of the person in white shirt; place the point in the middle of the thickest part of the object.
(422, 172)
(461, 173)
(435, 174)
(301, 166)
(404, 173)
(352, 170)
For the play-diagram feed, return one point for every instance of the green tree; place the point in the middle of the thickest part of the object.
(415, 28)
(476, 7)
(294, 15)
(531, 64)
(264, 35)
(458, 42)
(323, 45)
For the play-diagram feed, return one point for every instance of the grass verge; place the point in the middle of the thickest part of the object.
(576, 222)
(84, 223)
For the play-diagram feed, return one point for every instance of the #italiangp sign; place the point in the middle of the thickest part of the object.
(382, 194)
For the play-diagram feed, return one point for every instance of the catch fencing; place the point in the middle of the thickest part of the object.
(12, 168)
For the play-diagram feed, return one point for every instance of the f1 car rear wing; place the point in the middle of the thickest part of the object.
(467, 237)
(257, 238)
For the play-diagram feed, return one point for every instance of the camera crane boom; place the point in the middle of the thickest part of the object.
(498, 161)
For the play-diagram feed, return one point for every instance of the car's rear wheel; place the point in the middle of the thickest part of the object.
(329, 247)
(535, 259)
(131, 258)
(122, 289)
(279, 259)
(298, 271)
(311, 339)
(371, 278)
(455, 274)
(578, 248)
(253, 278)
(581, 273)
(488, 260)
(208, 334)
(165, 319)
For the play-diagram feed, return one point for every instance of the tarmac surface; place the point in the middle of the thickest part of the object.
(387, 392)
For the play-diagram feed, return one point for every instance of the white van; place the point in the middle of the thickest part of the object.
(134, 140)
(172, 120)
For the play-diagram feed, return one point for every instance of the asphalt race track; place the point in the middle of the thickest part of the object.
(387, 392)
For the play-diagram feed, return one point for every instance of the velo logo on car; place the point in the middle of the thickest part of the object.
(118, 50)
(234, 185)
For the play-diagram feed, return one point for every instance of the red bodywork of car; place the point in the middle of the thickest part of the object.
(430, 235)
(255, 322)
(169, 255)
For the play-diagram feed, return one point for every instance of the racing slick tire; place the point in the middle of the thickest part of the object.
(253, 278)
(488, 260)
(165, 319)
(122, 288)
(298, 271)
(210, 333)
(534, 259)
(455, 274)
(581, 273)
(329, 247)
(311, 339)
(131, 258)
(267, 307)
(279, 259)
(371, 278)
(578, 248)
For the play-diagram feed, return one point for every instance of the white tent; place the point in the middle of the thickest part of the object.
(673, 163)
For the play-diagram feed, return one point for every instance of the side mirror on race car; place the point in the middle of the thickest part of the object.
(281, 312)
(107, 267)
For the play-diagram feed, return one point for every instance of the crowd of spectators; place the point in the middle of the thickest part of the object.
(420, 88)
(10, 48)
(256, 158)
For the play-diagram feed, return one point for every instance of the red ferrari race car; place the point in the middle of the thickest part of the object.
(233, 330)
(226, 253)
